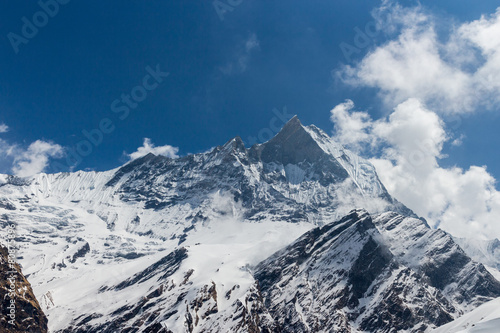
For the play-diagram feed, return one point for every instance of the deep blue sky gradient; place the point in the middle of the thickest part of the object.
(65, 79)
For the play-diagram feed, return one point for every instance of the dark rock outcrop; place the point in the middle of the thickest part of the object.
(20, 311)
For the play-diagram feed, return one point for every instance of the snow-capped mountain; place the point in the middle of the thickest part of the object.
(259, 239)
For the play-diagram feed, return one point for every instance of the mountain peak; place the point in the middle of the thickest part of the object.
(291, 128)
(294, 121)
(235, 144)
(292, 145)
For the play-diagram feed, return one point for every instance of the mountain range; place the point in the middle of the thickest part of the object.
(297, 234)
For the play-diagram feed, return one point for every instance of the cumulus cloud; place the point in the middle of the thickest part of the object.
(242, 56)
(451, 74)
(149, 147)
(24, 162)
(410, 142)
(414, 134)
(429, 68)
(35, 158)
(350, 127)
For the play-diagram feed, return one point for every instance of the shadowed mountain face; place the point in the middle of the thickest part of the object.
(259, 239)
(294, 145)
(392, 273)
(23, 313)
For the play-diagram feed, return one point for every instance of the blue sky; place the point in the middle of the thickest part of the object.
(232, 66)
(64, 79)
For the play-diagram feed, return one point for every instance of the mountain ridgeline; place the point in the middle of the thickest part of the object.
(297, 234)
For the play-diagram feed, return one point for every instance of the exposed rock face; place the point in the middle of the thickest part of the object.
(344, 277)
(294, 145)
(436, 255)
(19, 308)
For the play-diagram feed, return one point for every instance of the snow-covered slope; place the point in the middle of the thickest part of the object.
(172, 245)
(484, 319)
(486, 252)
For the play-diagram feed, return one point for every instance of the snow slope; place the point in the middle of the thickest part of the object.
(484, 319)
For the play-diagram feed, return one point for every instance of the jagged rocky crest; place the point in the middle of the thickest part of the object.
(377, 275)
(237, 239)
(301, 171)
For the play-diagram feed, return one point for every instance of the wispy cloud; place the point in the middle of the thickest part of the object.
(4, 128)
(241, 59)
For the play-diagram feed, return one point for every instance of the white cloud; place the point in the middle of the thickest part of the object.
(149, 147)
(34, 159)
(6, 149)
(349, 197)
(242, 56)
(414, 134)
(483, 34)
(24, 162)
(350, 127)
(458, 141)
(410, 141)
(418, 70)
(456, 75)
